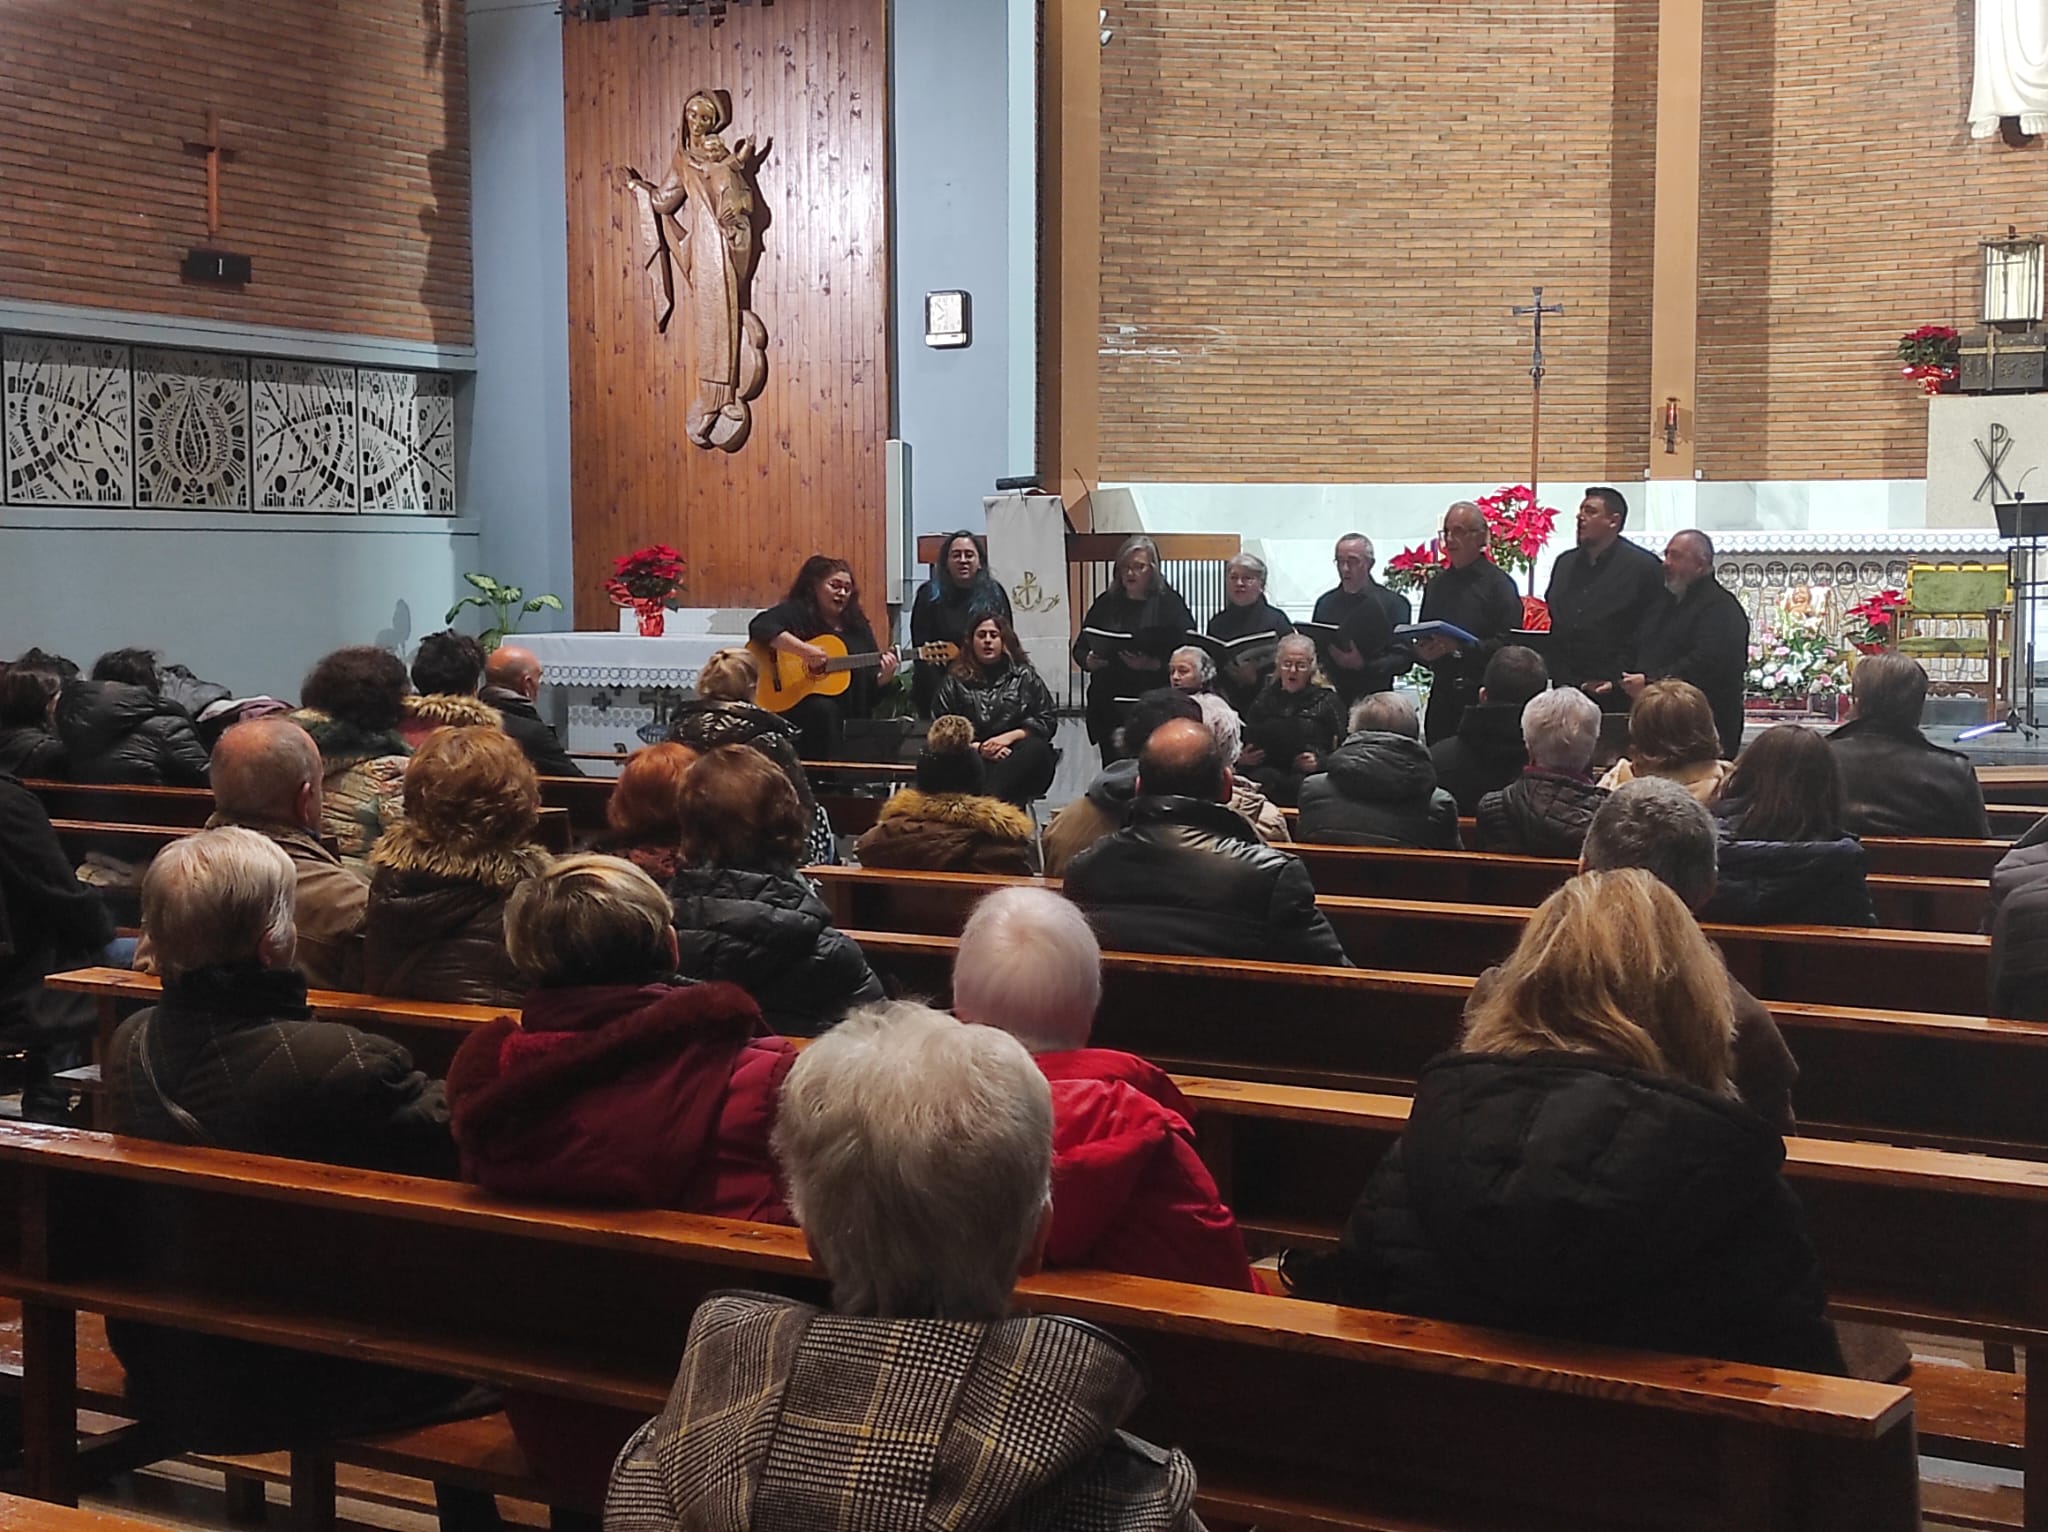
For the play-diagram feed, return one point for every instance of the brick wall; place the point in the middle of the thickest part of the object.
(351, 186)
(1841, 203)
(1315, 221)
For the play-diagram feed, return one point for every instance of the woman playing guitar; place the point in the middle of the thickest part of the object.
(824, 599)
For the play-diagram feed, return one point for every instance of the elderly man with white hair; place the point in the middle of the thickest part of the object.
(232, 1059)
(1379, 788)
(919, 1156)
(1545, 811)
(1130, 1193)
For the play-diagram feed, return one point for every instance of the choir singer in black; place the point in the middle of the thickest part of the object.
(1476, 594)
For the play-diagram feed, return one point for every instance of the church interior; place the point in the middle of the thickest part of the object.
(1349, 500)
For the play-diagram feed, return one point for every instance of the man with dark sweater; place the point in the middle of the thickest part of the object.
(511, 681)
(1472, 593)
(1365, 657)
(1599, 594)
(1695, 631)
(1487, 752)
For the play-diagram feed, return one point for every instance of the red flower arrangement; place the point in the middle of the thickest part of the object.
(1876, 621)
(1933, 356)
(1517, 530)
(644, 580)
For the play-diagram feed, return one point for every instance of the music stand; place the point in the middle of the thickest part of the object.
(2022, 526)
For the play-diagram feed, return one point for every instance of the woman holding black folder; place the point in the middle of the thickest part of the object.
(1128, 632)
(1246, 615)
(1292, 725)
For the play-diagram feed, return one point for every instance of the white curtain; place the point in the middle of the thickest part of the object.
(2012, 66)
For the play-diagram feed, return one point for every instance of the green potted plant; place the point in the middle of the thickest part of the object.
(508, 605)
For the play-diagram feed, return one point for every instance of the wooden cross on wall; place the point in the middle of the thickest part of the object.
(215, 152)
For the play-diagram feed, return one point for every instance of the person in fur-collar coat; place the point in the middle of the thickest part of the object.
(945, 823)
(434, 929)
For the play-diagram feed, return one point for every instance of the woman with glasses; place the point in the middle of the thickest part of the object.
(1140, 602)
(1246, 614)
(959, 594)
(1292, 725)
(1475, 594)
(824, 599)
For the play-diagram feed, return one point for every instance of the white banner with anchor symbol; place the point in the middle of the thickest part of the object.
(1027, 552)
(1983, 450)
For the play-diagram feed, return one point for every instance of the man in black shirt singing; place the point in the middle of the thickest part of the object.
(1599, 594)
(1475, 594)
(1372, 662)
(1695, 631)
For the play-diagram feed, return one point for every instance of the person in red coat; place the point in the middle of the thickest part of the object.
(620, 1085)
(1129, 1192)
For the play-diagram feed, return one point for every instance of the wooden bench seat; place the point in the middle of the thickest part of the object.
(1940, 971)
(1298, 1414)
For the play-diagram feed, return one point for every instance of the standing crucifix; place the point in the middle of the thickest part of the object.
(215, 151)
(1534, 310)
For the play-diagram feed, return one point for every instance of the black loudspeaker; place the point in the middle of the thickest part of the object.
(217, 267)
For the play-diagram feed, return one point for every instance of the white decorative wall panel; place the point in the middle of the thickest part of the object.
(191, 431)
(70, 422)
(305, 429)
(406, 431)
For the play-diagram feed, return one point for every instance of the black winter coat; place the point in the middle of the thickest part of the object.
(1194, 879)
(30, 751)
(1565, 1196)
(1701, 637)
(1016, 697)
(531, 733)
(1283, 724)
(1485, 755)
(1378, 790)
(2019, 928)
(48, 919)
(117, 733)
(1540, 813)
(769, 933)
(1896, 783)
(1801, 882)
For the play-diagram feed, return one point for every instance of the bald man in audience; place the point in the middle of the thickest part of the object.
(512, 678)
(1188, 875)
(266, 777)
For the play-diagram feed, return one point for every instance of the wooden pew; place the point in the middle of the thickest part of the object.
(1296, 1414)
(2013, 784)
(21, 1514)
(1940, 971)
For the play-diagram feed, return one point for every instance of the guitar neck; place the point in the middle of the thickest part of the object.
(853, 662)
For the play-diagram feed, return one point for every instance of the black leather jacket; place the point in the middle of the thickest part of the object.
(1895, 783)
(1193, 878)
(1014, 698)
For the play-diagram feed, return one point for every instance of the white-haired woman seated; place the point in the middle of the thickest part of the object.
(1129, 1191)
(1583, 1169)
(1545, 811)
(918, 1155)
(1246, 798)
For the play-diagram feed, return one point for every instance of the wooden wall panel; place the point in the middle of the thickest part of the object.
(349, 120)
(810, 74)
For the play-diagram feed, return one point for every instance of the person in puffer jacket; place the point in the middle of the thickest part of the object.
(445, 675)
(27, 747)
(1129, 1191)
(1785, 858)
(742, 912)
(724, 713)
(947, 823)
(1545, 811)
(1378, 787)
(619, 1085)
(1582, 1169)
(117, 729)
(354, 700)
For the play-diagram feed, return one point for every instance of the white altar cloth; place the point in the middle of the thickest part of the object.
(615, 691)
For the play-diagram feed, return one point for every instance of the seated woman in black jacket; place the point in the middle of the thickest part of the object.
(1292, 725)
(1583, 1169)
(1785, 858)
(743, 913)
(960, 591)
(824, 599)
(994, 687)
(27, 747)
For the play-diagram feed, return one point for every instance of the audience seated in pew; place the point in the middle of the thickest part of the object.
(994, 686)
(1130, 1193)
(1292, 724)
(946, 822)
(266, 777)
(1583, 1169)
(1785, 858)
(446, 673)
(1379, 786)
(619, 1085)
(724, 713)
(1656, 825)
(1245, 798)
(1486, 753)
(1672, 734)
(1894, 780)
(49, 921)
(742, 911)
(351, 704)
(1188, 875)
(231, 1058)
(1102, 808)
(434, 929)
(918, 1155)
(512, 678)
(640, 816)
(118, 727)
(1545, 811)
(28, 748)
(2018, 921)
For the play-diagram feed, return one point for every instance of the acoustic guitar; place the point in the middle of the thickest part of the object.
(785, 680)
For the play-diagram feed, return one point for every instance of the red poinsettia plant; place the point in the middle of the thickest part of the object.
(1874, 621)
(1517, 530)
(1933, 356)
(646, 577)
